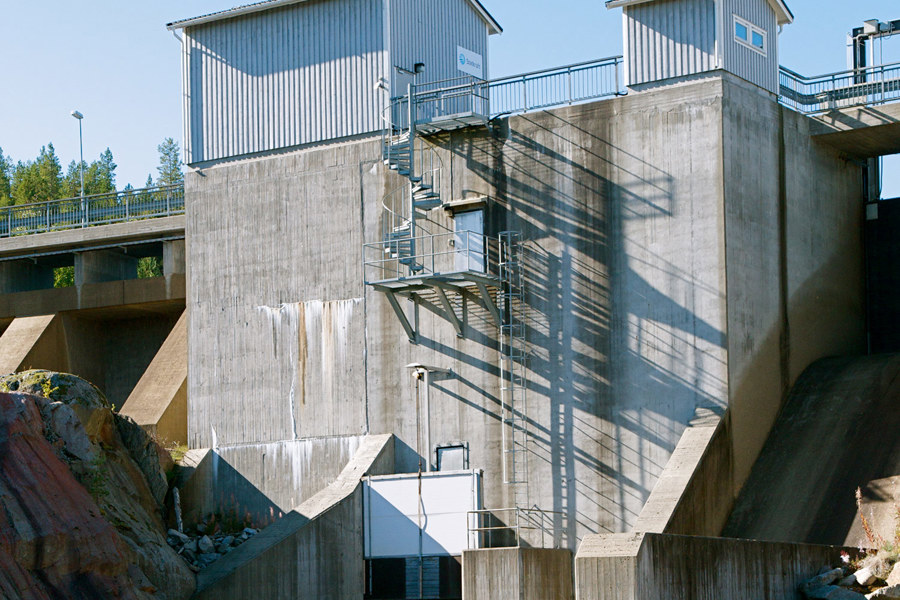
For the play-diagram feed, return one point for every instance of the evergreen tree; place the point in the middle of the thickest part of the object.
(106, 171)
(169, 163)
(71, 186)
(38, 181)
(6, 172)
(99, 177)
(149, 182)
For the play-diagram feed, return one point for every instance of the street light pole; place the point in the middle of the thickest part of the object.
(80, 116)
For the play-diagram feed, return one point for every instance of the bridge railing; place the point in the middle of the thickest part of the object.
(99, 209)
(867, 86)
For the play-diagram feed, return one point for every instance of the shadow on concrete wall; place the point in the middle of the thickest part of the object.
(589, 314)
(214, 487)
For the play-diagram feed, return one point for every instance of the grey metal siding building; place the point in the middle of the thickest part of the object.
(748, 63)
(288, 73)
(666, 39)
(669, 39)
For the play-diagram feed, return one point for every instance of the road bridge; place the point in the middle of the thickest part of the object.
(121, 332)
(102, 237)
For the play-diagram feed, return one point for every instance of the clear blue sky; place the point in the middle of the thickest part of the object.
(115, 62)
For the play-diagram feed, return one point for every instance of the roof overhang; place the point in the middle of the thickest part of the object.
(493, 25)
(782, 12)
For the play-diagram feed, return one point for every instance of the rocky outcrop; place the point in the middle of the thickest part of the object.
(81, 497)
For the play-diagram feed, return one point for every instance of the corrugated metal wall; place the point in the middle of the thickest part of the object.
(742, 61)
(669, 39)
(284, 77)
(429, 32)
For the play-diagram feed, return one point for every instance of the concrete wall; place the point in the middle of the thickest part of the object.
(641, 216)
(517, 574)
(650, 566)
(315, 551)
(263, 482)
(793, 223)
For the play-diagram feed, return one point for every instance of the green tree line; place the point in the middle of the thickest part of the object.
(42, 179)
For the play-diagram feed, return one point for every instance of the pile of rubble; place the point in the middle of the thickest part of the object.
(202, 550)
(875, 576)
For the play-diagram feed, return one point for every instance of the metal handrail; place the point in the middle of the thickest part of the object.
(88, 211)
(865, 86)
(435, 254)
(568, 84)
(396, 204)
(524, 519)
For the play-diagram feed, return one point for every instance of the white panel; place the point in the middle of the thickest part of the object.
(392, 513)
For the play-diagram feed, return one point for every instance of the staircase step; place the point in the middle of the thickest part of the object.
(427, 204)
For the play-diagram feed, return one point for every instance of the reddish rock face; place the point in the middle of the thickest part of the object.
(54, 541)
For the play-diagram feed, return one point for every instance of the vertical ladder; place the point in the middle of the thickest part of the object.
(513, 354)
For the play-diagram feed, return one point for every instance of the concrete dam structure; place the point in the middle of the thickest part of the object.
(448, 336)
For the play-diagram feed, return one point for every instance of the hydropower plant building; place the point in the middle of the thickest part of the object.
(454, 336)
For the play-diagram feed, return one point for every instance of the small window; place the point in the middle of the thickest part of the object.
(749, 35)
(759, 41)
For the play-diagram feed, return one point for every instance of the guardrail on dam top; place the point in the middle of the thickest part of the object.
(88, 211)
(867, 86)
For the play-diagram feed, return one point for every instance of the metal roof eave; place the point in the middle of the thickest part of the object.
(493, 25)
(784, 14)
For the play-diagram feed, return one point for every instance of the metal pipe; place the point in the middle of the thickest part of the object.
(428, 419)
(81, 156)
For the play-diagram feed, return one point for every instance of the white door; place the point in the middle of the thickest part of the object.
(469, 241)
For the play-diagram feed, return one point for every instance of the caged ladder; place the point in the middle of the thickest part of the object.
(513, 355)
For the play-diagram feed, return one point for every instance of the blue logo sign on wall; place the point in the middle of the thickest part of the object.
(462, 59)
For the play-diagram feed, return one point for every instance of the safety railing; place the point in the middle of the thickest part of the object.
(866, 86)
(99, 209)
(569, 84)
(506, 528)
(432, 254)
(555, 87)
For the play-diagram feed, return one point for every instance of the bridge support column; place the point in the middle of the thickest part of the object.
(173, 257)
(24, 276)
(97, 266)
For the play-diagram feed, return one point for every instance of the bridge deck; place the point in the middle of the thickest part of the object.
(862, 131)
(101, 236)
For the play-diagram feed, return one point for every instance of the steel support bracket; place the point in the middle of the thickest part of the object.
(488, 302)
(392, 299)
(448, 309)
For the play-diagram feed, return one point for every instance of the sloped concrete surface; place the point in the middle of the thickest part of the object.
(158, 402)
(315, 551)
(836, 432)
(32, 342)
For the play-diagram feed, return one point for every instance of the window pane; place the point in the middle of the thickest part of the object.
(740, 31)
(758, 40)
